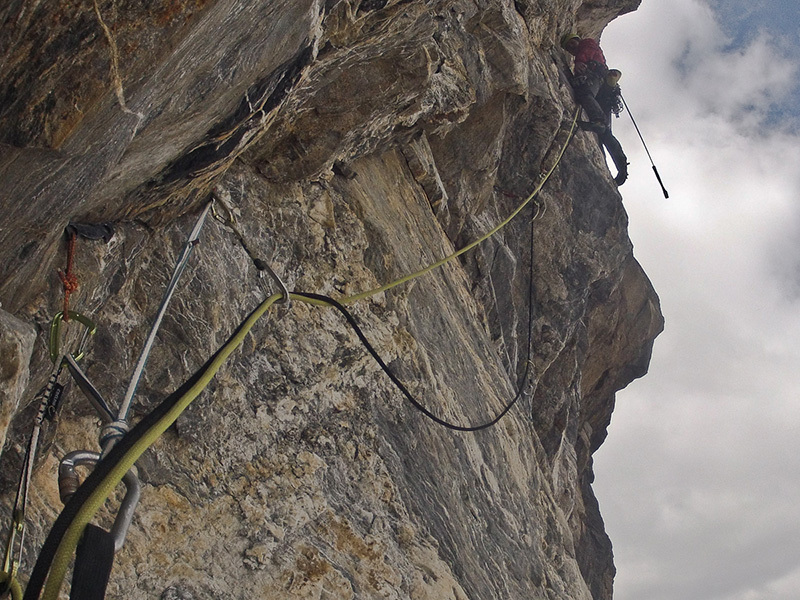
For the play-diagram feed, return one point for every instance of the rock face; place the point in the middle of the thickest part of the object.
(349, 143)
(16, 346)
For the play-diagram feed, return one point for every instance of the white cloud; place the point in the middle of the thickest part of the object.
(699, 477)
(681, 63)
(741, 84)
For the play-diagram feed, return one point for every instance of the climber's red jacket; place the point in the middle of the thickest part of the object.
(588, 51)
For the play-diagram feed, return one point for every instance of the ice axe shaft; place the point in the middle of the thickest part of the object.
(658, 177)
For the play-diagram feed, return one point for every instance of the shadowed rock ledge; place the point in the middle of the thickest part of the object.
(354, 141)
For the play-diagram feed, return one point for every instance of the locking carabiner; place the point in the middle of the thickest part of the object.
(68, 483)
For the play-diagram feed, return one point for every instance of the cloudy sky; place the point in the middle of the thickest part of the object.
(699, 480)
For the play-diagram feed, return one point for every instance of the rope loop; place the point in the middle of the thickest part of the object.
(56, 554)
(113, 432)
(69, 280)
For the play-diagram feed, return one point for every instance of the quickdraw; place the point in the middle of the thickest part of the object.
(261, 265)
(116, 425)
(49, 399)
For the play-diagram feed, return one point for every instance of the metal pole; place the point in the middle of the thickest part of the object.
(137, 373)
(630, 114)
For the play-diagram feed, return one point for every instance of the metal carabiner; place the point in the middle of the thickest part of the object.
(49, 400)
(13, 557)
(68, 483)
(55, 334)
(260, 264)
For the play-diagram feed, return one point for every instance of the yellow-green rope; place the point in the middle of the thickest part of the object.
(65, 548)
(10, 583)
(543, 179)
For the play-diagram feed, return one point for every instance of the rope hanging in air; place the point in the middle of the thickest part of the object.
(57, 551)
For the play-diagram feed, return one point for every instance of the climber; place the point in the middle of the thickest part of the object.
(596, 90)
(610, 101)
(589, 72)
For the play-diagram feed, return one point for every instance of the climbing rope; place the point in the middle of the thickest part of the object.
(326, 301)
(543, 177)
(9, 584)
(49, 400)
(57, 550)
(68, 279)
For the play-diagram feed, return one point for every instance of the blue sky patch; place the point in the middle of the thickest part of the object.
(743, 20)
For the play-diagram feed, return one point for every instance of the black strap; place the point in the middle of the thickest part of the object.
(94, 558)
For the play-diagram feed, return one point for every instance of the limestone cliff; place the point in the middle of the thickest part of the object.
(354, 141)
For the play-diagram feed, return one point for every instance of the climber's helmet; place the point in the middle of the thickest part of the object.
(570, 42)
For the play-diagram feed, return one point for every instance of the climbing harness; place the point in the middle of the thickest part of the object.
(658, 177)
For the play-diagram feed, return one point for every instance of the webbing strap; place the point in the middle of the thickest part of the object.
(94, 558)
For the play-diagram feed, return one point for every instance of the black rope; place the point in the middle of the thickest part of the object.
(641, 137)
(102, 469)
(404, 390)
(117, 453)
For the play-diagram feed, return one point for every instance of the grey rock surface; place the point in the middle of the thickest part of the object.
(16, 347)
(352, 142)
